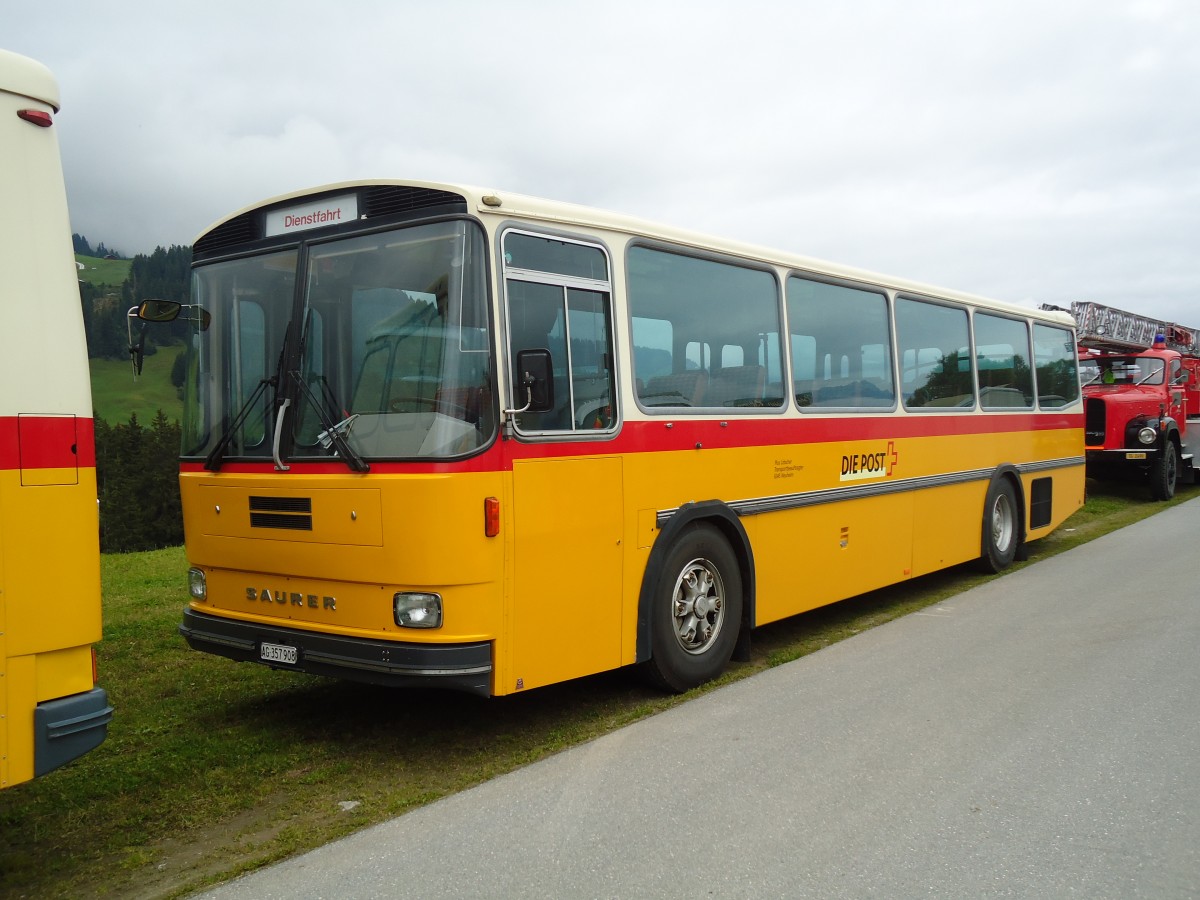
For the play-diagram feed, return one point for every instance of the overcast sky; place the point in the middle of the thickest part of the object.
(1028, 150)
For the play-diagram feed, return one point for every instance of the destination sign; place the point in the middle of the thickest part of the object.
(331, 211)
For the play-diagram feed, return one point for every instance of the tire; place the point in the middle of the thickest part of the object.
(1001, 528)
(1164, 472)
(699, 575)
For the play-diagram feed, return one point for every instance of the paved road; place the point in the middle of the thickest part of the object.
(1038, 736)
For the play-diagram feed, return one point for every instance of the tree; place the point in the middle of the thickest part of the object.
(166, 274)
(104, 322)
(137, 482)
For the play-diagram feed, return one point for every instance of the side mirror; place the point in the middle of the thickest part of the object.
(169, 310)
(535, 381)
(159, 310)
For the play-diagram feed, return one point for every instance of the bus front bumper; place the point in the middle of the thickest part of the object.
(461, 667)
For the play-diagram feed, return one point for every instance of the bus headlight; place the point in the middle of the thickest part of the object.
(1147, 435)
(417, 610)
(197, 584)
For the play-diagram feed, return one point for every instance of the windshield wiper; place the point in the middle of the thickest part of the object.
(1154, 374)
(212, 462)
(334, 433)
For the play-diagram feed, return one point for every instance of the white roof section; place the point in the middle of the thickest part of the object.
(28, 78)
(491, 203)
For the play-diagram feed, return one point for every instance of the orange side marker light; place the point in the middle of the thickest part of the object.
(491, 516)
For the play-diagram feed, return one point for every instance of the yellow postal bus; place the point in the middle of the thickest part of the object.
(443, 436)
(50, 709)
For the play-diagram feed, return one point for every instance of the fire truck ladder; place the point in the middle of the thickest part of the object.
(1105, 328)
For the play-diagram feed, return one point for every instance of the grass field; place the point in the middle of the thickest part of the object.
(116, 395)
(112, 272)
(212, 768)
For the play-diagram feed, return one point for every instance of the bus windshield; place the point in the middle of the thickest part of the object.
(385, 353)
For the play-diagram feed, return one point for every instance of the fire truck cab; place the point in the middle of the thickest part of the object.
(1138, 395)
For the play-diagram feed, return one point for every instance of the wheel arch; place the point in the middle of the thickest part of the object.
(719, 515)
(1174, 435)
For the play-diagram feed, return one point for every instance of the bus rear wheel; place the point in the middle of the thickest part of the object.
(697, 611)
(1001, 530)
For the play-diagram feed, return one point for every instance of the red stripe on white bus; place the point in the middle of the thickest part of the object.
(47, 442)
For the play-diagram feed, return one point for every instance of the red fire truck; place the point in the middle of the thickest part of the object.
(1141, 389)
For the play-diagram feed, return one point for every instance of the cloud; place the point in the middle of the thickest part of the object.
(1025, 150)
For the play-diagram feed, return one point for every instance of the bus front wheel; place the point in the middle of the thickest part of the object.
(1164, 472)
(697, 610)
(1001, 529)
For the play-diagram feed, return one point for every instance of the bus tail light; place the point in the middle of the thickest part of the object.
(417, 610)
(491, 516)
(38, 117)
(95, 668)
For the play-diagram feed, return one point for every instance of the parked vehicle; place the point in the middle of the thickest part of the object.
(51, 709)
(1140, 387)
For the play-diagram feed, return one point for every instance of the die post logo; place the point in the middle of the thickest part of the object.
(867, 461)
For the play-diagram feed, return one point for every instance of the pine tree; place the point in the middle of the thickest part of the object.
(137, 476)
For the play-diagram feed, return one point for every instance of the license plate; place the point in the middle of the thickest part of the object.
(280, 653)
(1135, 455)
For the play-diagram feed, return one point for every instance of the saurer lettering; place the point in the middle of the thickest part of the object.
(291, 598)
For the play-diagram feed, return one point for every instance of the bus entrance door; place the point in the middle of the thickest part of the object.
(566, 606)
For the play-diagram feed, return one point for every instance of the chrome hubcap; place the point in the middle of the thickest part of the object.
(1003, 523)
(698, 606)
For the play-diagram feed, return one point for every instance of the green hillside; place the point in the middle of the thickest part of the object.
(112, 272)
(115, 395)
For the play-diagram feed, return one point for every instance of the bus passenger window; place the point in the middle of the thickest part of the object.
(718, 318)
(1057, 372)
(549, 311)
(591, 359)
(935, 342)
(840, 346)
(1002, 356)
(536, 323)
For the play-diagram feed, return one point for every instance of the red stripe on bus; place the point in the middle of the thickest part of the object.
(669, 434)
(47, 442)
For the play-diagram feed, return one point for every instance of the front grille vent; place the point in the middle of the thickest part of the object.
(236, 231)
(390, 200)
(293, 513)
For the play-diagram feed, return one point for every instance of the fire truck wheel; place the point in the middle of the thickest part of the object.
(697, 611)
(1001, 531)
(1164, 472)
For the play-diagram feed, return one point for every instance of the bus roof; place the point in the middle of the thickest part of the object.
(491, 202)
(28, 78)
